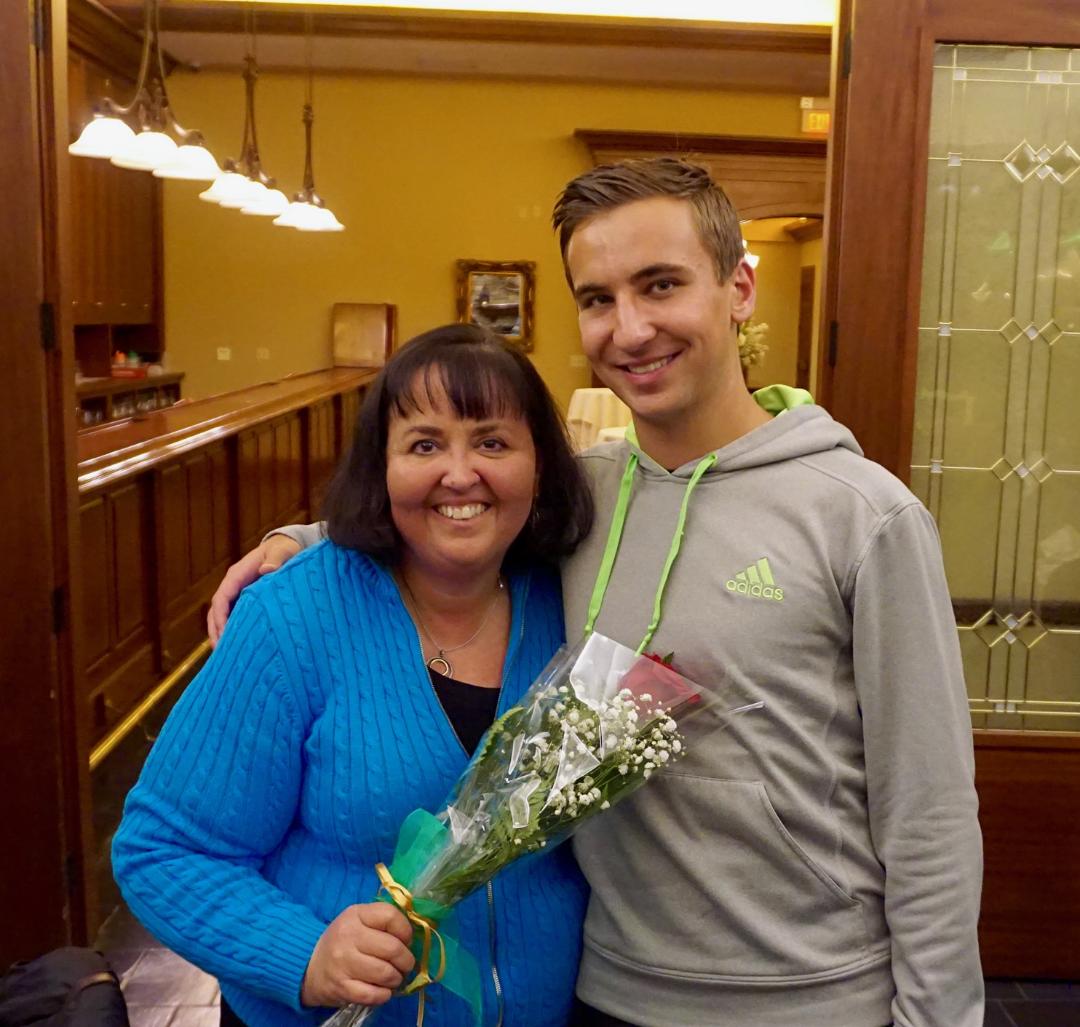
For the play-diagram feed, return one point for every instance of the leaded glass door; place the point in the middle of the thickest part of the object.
(996, 440)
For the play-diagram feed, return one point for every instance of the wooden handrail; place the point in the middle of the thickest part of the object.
(132, 446)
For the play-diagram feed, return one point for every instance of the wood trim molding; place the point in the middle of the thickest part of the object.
(111, 41)
(690, 142)
(1026, 740)
(806, 231)
(570, 30)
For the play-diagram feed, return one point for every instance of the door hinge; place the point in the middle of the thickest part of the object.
(834, 335)
(59, 609)
(845, 64)
(37, 27)
(48, 327)
(71, 871)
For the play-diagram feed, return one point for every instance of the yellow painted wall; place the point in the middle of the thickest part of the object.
(812, 255)
(422, 172)
(778, 274)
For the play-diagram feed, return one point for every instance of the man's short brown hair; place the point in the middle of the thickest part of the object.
(611, 185)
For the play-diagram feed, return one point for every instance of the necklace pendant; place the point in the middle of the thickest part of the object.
(441, 665)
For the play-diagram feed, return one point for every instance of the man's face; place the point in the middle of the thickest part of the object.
(656, 324)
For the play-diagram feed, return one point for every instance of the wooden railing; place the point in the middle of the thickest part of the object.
(168, 501)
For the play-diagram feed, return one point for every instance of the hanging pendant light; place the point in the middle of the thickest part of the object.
(308, 212)
(243, 185)
(102, 137)
(109, 135)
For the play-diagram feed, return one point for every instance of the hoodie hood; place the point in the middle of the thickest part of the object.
(799, 428)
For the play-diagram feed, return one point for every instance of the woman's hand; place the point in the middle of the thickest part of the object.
(361, 958)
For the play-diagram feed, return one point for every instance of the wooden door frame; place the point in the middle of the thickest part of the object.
(877, 195)
(42, 763)
(1028, 782)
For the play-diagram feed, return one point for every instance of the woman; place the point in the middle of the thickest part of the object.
(351, 688)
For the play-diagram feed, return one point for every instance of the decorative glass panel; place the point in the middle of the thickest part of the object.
(996, 446)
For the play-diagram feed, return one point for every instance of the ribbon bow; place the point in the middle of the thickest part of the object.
(402, 898)
(421, 838)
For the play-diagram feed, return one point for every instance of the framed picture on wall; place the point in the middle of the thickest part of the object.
(499, 295)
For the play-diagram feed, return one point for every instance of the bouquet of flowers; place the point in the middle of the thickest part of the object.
(589, 732)
(752, 344)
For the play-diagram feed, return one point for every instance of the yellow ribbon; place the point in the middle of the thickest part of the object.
(402, 898)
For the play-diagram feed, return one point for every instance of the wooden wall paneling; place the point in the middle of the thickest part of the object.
(98, 601)
(174, 545)
(247, 490)
(267, 472)
(321, 453)
(194, 545)
(348, 407)
(129, 549)
(118, 603)
(222, 507)
(1029, 791)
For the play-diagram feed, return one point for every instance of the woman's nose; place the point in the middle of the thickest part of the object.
(460, 471)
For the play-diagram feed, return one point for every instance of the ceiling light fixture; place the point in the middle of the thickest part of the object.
(109, 136)
(308, 212)
(243, 185)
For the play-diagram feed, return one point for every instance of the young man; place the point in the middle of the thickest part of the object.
(815, 862)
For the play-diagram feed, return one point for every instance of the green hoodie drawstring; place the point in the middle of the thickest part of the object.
(615, 532)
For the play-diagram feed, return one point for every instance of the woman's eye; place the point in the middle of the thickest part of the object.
(423, 446)
(493, 445)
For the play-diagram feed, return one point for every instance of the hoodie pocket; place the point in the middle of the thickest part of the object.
(708, 881)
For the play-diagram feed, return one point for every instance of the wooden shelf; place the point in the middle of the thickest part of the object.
(101, 400)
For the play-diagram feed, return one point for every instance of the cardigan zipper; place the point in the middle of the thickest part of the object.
(494, 967)
(500, 1002)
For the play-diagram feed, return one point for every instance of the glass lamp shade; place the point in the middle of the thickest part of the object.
(103, 137)
(308, 218)
(191, 164)
(270, 204)
(228, 185)
(293, 214)
(147, 151)
(322, 220)
(251, 193)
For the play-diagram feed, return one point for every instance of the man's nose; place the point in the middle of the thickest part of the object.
(633, 327)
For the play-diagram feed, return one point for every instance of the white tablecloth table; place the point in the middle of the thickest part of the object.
(593, 411)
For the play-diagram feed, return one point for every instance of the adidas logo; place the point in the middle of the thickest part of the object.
(756, 581)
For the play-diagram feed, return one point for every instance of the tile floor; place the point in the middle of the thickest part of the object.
(163, 990)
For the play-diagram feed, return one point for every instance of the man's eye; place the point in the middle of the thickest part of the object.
(596, 300)
(662, 285)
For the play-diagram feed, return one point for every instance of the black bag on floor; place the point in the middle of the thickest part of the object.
(67, 987)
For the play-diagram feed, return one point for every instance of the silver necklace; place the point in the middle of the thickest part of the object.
(439, 663)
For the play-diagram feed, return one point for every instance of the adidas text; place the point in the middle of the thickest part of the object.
(757, 591)
(757, 582)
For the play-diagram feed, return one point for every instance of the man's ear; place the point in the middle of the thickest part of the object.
(744, 292)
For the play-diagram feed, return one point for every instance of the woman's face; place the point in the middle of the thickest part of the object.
(460, 490)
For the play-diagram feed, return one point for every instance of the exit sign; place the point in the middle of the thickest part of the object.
(816, 123)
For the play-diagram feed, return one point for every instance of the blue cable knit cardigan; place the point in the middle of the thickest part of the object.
(283, 774)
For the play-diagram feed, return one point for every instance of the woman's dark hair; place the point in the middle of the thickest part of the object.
(482, 377)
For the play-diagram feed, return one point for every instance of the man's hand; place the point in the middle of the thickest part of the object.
(361, 957)
(266, 557)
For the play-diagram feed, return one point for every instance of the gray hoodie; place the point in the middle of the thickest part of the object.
(817, 862)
